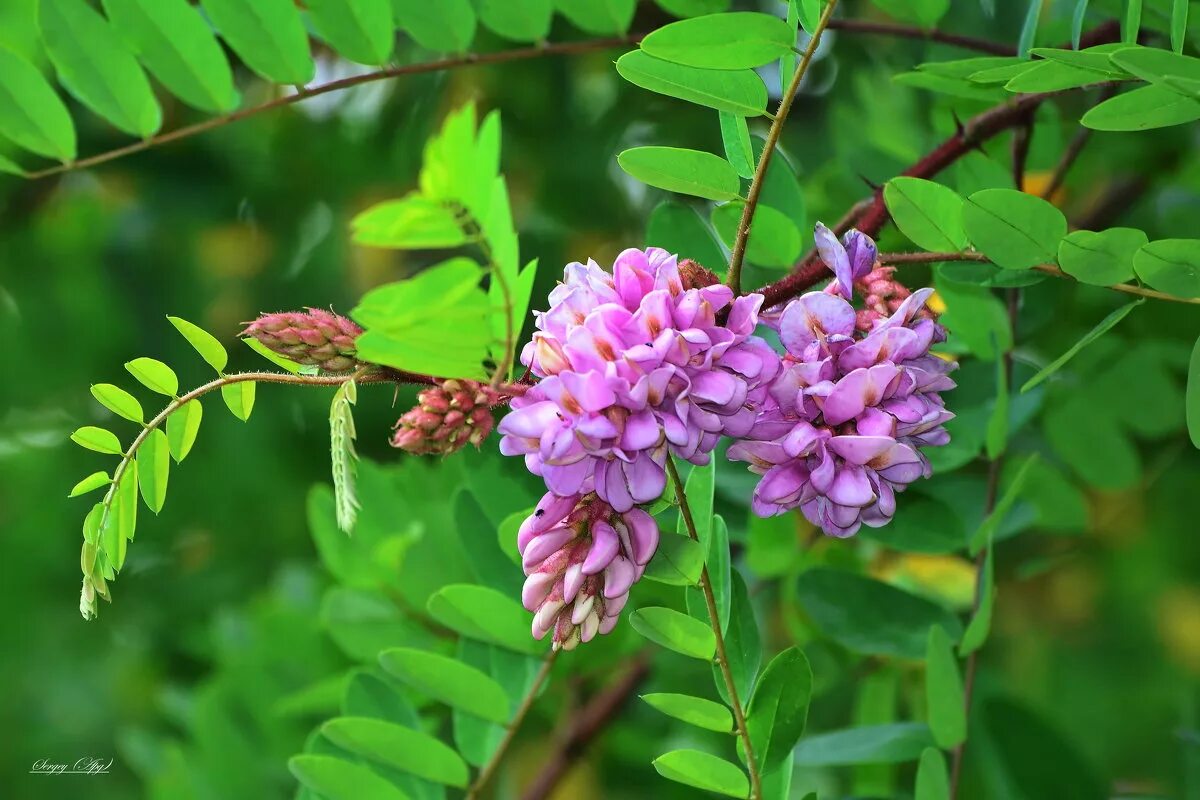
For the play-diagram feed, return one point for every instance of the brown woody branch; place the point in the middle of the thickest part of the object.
(923, 34)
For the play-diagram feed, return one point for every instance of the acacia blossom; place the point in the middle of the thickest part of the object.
(634, 365)
(857, 398)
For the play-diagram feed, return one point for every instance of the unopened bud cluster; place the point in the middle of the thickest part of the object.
(446, 418)
(315, 338)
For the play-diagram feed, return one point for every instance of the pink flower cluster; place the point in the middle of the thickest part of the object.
(635, 364)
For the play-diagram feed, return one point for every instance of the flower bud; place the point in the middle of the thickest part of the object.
(315, 338)
(446, 418)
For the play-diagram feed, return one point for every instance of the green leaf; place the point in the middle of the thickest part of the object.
(154, 467)
(1154, 65)
(95, 66)
(1184, 86)
(119, 526)
(1094, 58)
(739, 92)
(932, 781)
(1077, 18)
(678, 561)
(944, 703)
(778, 711)
(205, 343)
(598, 16)
(239, 398)
(675, 631)
(10, 167)
(446, 680)
(98, 439)
(987, 530)
(1171, 266)
(703, 771)
(485, 614)
(675, 169)
(1036, 759)
(436, 323)
(738, 40)
(1029, 28)
(1192, 400)
(398, 746)
(154, 375)
(1001, 74)
(360, 30)
(1014, 229)
(1103, 327)
(182, 426)
(268, 35)
(808, 13)
(735, 136)
(1053, 76)
(892, 743)
(1132, 22)
(343, 457)
(276, 359)
(699, 488)
(31, 113)
(118, 401)
(507, 531)
(720, 569)
(448, 25)
(693, 710)
(90, 484)
(1084, 435)
(1101, 259)
(1142, 109)
(335, 779)
(693, 8)
(411, 223)
(1179, 21)
(774, 241)
(678, 229)
(178, 47)
(981, 623)
(952, 86)
(928, 213)
(978, 318)
(870, 617)
(518, 20)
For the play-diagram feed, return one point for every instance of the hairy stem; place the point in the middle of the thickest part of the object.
(714, 619)
(764, 160)
(510, 733)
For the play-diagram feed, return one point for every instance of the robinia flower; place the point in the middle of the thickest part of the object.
(633, 365)
(581, 558)
(314, 337)
(446, 418)
(849, 413)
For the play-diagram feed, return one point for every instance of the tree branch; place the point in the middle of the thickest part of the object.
(764, 160)
(586, 724)
(923, 34)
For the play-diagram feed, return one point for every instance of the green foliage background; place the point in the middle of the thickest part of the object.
(214, 666)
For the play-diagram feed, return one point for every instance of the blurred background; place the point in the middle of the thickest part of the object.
(189, 680)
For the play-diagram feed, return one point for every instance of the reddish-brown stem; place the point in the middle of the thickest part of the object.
(924, 34)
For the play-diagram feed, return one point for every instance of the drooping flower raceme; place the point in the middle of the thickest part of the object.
(446, 418)
(314, 337)
(634, 364)
(850, 411)
(581, 558)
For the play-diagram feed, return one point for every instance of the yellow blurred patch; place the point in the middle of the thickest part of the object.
(1178, 623)
(946, 579)
(936, 304)
(235, 250)
(1038, 182)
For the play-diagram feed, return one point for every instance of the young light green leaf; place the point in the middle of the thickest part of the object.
(1142, 109)
(735, 136)
(808, 14)
(693, 710)
(1077, 17)
(343, 458)
(737, 40)
(1101, 259)
(360, 30)
(399, 747)
(1131, 24)
(598, 16)
(703, 771)
(778, 711)
(1171, 266)
(239, 398)
(1192, 397)
(981, 623)
(774, 241)
(154, 467)
(739, 92)
(118, 401)
(447, 26)
(9, 167)
(182, 426)
(268, 35)
(484, 614)
(1179, 22)
(677, 228)
(411, 223)
(928, 213)
(675, 169)
(178, 47)
(205, 343)
(893, 743)
(1053, 76)
(31, 113)
(518, 20)
(276, 359)
(944, 691)
(98, 439)
(987, 530)
(336, 779)
(675, 631)
(154, 375)
(449, 681)
(678, 561)
(932, 782)
(90, 484)
(95, 65)
(1014, 229)
(1103, 327)
(1029, 28)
